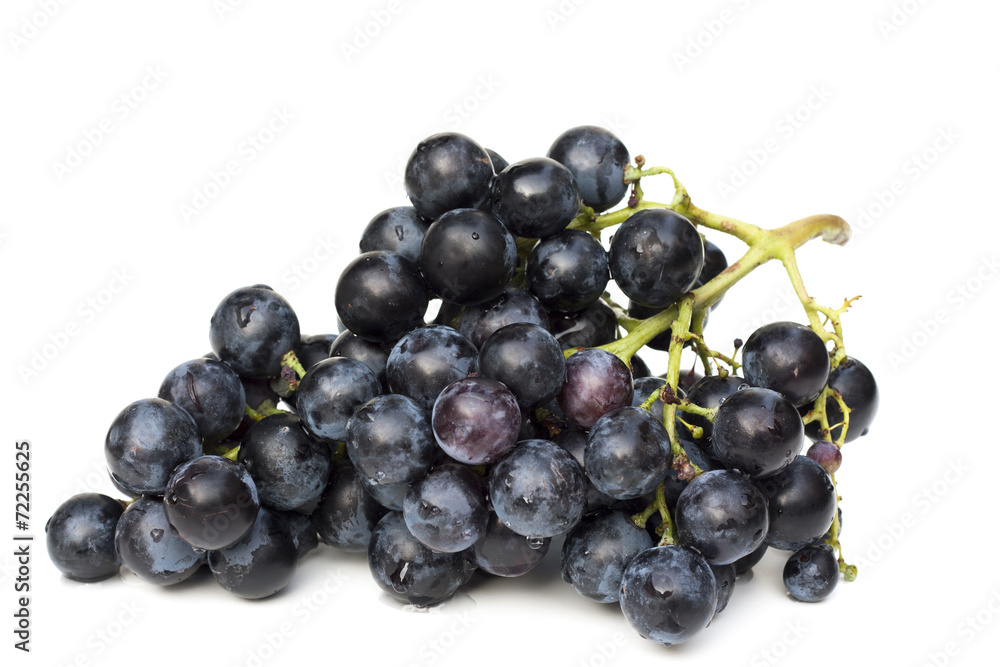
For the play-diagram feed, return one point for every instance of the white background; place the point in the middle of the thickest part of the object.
(845, 100)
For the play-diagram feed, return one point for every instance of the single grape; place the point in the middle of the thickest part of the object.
(329, 394)
(745, 564)
(447, 510)
(527, 359)
(348, 514)
(390, 440)
(289, 468)
(598, 160)
(476, 420)
(725, 584)
(409, 571)
(656, 256)
(399, 229)
(826, 454)
(478, 322)
(380, 296)
(628, 453)
(535, 198)
(146, 441)
(252, 329)
(303, 533)
(80, 537)
(722, 515)
(669, 594)
(504, 553)
(537, 489)
(801, 504)
(756, 431)
(261, 563)
(597, 551)
(467, 257)
(427, 360)
(209, 391)
(314, 349)
(149, 549)
(499, 163)
(597, 382)
(447, 171)
(593, 326)
(788, 358)
(568, 272)
(811, 573)
(211, 502)
(857, 387)
(389, 496)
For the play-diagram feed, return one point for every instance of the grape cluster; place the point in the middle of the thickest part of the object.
(464, 437)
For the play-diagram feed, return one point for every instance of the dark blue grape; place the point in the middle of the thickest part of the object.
(597, 551)
(80, 537)
(710, 392)
(447, 171)
(329, 394)
(597, 382)
(593, 326)
(389, 496)
(722, 515)
(408, 571)
(314, 349)
(371, 354)
(209, 391)
(756, 431)
(857, 387)
(146, 441)
(811, 573)
(252, 329)
(537, 489)
(597, 159)
(535, 198)
(260, 564)
(147, 547)
(628, 453)
(527, 359)
(745, 564)
(447, 509)
(725, 584)
(289, 467)
(477, 323)
(499, 163)
(211, 502)
(788, 358)
(669, 594)
(504, 553)
(468, 257)
(380, 296)
(303, 533)
(348, 514)
(568, 271)
(390, 441)
(476, 420)
(399, 229)
(427, 360)
(801, 504)
(656, 257)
